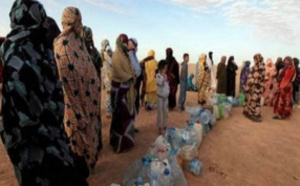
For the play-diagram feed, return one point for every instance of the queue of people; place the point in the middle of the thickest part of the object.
(263, 85)
(52, 92)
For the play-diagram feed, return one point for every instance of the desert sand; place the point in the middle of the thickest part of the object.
(236, 152)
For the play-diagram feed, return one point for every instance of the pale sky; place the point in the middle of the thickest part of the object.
(226, 27)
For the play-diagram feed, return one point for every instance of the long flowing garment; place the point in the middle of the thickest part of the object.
(244, 76)
(1, 68)
(271, 84)
(142, 82)
(212, 74)
(94, 54)
(283, 105)
(222, 78)
(183, 84)
(173, 78)
(81, 86)
(254, 90)
(204, 79)
(151, 88)
(197, 74)
(231, 79)
(32, 130)
(104, 45)
(107, 82)
(296, 83)
(123, 100)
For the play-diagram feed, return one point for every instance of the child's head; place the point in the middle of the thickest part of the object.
(186, 57)
(162, 66)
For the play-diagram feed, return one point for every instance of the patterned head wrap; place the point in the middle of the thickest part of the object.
(52, 31)
(134, 41)
(122, 42)
(71, 20)
(258, 59)
(151, 53)
(202, 59)
(29, 21)
(230, 60)
(288, 62)
(169, 52)
(247, 63)
(27, 14)
(269, 63)
(223, 59)
(108, 48)
(104, 44)
(87, 34)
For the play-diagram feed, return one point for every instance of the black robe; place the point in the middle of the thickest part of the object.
(32, 130)
(231, 79)
(173, 69)
(222, 78)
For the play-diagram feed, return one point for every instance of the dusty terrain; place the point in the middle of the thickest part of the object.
(236, 152)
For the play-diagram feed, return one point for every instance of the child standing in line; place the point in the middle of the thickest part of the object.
(163, 91)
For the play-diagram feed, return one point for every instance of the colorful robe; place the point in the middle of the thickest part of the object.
(254, 90)
(244, 77)
(107, 79)
(204, 79)
(32, 128)
(81, 86)
(271, 84)
(151, 88)
(123, 101)
(283, 105)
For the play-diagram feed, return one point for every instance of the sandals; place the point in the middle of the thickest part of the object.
(277, 118)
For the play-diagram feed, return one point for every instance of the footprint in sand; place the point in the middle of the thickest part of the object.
(216, 169)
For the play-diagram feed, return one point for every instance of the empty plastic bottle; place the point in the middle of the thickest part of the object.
(195, 167)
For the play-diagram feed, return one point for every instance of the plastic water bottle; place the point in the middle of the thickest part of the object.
(155, 179)
(192, 121)
(195, 167)
(139, 181)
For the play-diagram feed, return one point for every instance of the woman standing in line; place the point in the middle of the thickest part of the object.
(231, 76)
(123, 98)
(32, 130)
(244, 76)
(107, 78)
(222, 76)
(204, 79)
(151, 88)
(81, 85)
(283, 106)
(173, 77)
(254, 90)
(89, 43)
(271, 85)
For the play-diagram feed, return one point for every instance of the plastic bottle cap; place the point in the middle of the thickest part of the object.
(154, 176)
(166, 172)
(139, 180)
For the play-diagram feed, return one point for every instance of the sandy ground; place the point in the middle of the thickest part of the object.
(236, 152)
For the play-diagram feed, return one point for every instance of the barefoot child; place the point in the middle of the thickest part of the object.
(163, 90)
